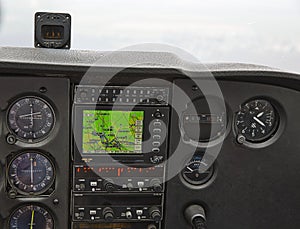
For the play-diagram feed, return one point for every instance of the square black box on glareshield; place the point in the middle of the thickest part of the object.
(52, 30)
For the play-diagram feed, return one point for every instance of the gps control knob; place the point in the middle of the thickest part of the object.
(157, 187)
(108, 214)
(108, 185)
(155, 214)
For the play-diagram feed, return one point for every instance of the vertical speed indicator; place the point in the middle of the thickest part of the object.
(31, 119)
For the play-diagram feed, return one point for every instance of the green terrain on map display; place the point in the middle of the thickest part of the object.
(110, 131)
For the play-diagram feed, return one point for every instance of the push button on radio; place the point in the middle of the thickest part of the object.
(157, 131)
(156, 137)
(156, 144)
(93, 183)
(93, 212)
(155, 150)
(139, 212)
(157, 124)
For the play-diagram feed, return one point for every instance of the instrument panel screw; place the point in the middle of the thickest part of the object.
(195, 88)
(241, 139)
(55, 201)
(12, 194)
(43, 90)
(11, 139)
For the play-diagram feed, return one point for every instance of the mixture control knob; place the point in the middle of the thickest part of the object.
(109, 186)
(156, 184)
(155, 214)
(195, 215)
(108, 214)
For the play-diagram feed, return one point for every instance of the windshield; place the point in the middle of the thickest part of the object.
(260, 32)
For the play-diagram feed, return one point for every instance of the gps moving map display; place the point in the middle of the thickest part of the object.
(112, 132)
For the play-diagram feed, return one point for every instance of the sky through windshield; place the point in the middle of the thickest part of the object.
(261, 32)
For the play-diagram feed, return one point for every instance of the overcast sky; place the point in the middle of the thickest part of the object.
(255, 31)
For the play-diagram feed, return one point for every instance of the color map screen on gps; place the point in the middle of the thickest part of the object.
(112, 132)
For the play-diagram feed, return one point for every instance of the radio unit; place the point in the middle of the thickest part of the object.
(121, 139)
(143, 225)
(117, 208)
(112, 178)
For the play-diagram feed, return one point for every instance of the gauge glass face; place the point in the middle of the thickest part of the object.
(197, 171)
(31, 216)
(257, 120)
(31, 119)
(201, 124)
(31, 173)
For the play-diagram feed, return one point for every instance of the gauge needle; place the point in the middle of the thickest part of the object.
(32, 219)
(189, 169)
(31, 171)
(260, 122)
(31, 116)
(260, 114)
(26, 115)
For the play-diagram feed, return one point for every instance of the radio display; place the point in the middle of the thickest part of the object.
(112, 132)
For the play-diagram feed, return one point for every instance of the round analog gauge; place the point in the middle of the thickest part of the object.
(31, 119)
(30, 217)
(31, 173)
(197, 171)
(257, 120)
(210, 120)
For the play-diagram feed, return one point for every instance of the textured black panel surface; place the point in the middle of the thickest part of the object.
(57, 144)
(254, 188)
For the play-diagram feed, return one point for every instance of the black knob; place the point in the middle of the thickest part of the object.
(83, 94)
(157, 187)
(151, 226)
(108, 214)
(109, 186)
(199, 223)
(157, 114)
(195, 215)
(155, 214)
(160, 98)
(82, 187)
